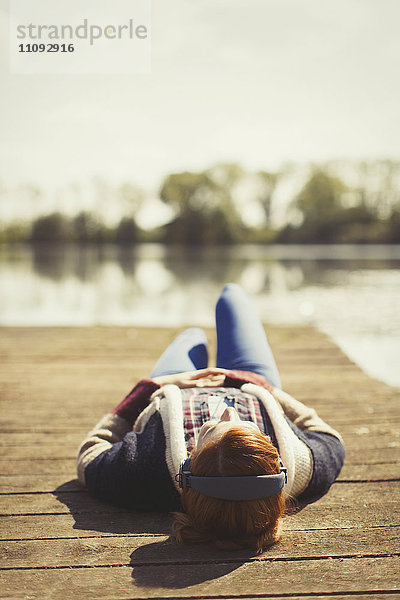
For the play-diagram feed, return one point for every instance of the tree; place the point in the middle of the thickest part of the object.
(203, 207)
(53, 228)
(379, 189)
(392, 235)
(126, 232)
(267, 181)
(87, 227)
(320, 204)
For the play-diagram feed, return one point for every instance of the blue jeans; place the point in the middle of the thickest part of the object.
(241, 342)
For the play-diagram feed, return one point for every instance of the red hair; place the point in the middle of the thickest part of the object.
(232, 524)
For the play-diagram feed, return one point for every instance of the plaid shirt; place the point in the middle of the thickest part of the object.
(204, 404)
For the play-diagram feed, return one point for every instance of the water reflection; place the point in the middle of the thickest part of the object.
(352, 295)
(107, 284)
(215, 264)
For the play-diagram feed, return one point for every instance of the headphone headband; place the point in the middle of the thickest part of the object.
(232, 488)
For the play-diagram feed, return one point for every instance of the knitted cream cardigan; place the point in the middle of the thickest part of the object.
(295, 454)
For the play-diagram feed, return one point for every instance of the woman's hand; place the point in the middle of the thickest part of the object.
(210, 377)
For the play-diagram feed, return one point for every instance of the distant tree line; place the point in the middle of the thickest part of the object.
(324, 218)
(213, 207)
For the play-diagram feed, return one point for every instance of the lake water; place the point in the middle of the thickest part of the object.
(350, 292)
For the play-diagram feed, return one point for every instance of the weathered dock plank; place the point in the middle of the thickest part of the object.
(62, 501)
(81, 516)
(214, 578)
(157, 549)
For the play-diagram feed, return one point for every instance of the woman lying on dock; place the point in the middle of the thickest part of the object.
(224, 448)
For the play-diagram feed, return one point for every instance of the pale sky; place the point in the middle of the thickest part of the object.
(259, 83)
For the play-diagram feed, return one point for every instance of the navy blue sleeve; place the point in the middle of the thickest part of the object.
(133, 473)
(328, 455)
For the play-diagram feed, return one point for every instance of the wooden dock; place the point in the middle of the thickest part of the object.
(59, 543)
